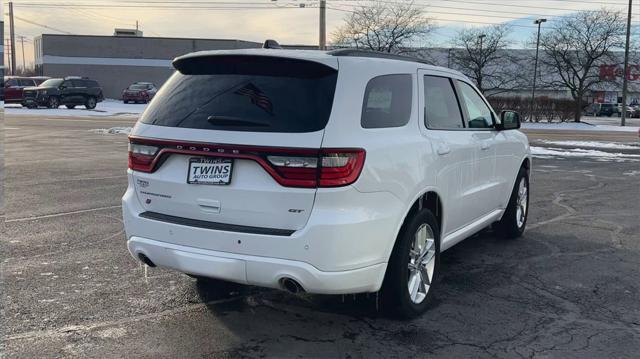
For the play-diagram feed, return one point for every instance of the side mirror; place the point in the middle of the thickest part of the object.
(510, 120)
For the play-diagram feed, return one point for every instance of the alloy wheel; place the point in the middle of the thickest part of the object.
(522, 203)
(421, 263)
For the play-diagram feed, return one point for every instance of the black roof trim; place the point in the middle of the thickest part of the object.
(374, 54)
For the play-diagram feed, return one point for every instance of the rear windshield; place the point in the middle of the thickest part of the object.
(139, 87)
(245, 93)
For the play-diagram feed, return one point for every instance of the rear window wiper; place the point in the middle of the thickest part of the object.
(234, 121)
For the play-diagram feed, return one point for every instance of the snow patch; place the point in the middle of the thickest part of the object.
(543, 152)
(595, 144)
(108, 107)
(579, 126)
(112, 131)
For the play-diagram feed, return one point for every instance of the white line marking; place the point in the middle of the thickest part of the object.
(25, 219)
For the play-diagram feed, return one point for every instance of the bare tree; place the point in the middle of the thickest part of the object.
(383, 26)
(574, 47)
(482, 56)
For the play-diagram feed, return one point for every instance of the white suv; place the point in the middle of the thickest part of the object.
(325, 172)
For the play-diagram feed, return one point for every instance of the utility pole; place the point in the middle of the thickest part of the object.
(22, 43)
(8, 51)
(12, 36)
(323, 25)
(535, 66)
(623, 115)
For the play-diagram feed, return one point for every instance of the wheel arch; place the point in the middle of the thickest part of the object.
(429, 198)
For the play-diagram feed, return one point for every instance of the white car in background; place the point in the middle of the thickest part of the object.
(326, 172)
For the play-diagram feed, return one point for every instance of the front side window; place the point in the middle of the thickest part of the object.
(387, 101)
(480, 115)
(441, 109)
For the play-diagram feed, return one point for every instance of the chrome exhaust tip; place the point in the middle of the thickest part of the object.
(291, 285)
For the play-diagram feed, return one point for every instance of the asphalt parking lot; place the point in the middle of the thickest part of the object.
(570, 288)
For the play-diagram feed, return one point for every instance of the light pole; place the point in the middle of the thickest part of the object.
(625, 78)
(480, 37)
(535, 65)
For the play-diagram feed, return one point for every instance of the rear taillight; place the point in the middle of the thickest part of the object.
(330, 168)
(290, 167)
(141, 157)
(340, 167)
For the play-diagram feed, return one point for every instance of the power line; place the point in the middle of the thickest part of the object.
(42, 25)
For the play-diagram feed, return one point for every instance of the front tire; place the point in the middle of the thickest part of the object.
(90, 103)
(413, 267)
(53, 102)
(514, 219)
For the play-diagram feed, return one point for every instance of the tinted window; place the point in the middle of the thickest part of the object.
(246, 94)
(139, 87)
(52, 83)
(91, 83)
(387, 101)
(12, 82)
(26, 82)
(480, 115)
(441, 109)
(78, 83)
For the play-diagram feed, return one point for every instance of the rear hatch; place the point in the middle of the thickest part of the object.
(235, 141)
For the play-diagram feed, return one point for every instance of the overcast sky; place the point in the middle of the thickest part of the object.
(280, 20)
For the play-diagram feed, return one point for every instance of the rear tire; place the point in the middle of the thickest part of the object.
(413, 268)
(514, 220)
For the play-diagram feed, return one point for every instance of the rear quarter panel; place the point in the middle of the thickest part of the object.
(397, 159)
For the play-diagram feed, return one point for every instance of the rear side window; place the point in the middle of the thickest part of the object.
(387, 101)
(245, 93)
(26, 82)
(441, 109)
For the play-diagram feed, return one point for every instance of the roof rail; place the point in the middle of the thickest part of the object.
(374, 54)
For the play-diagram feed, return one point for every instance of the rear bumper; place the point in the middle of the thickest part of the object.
(255, 270)
(343, 248)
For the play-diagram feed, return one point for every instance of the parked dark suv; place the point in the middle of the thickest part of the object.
(70, 92)
(602, 109)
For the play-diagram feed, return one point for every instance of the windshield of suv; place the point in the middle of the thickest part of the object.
(139, 87)
(52, 83)
(247, 94)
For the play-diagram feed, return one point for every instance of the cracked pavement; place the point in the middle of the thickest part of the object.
(570, 288)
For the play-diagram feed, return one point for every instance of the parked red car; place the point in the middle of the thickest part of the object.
(14, 85)
(137, 92)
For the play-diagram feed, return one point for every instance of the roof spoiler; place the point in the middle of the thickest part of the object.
(271, 44)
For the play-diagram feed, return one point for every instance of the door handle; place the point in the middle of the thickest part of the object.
(443, 150)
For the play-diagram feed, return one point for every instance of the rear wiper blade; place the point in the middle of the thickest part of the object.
(234, 121)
